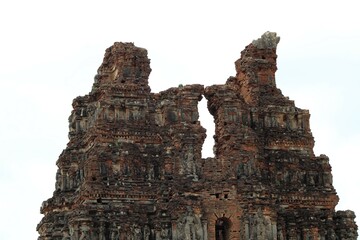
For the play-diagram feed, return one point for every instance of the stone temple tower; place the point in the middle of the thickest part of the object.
(133, 170)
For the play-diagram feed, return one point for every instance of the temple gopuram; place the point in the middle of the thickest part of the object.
(133, 170)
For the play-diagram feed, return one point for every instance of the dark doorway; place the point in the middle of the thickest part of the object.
(222, 228)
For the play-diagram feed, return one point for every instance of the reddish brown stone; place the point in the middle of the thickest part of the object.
(133, 168)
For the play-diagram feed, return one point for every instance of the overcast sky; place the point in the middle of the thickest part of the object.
(50, 51)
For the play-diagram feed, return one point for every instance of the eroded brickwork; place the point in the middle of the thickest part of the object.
(133, 168)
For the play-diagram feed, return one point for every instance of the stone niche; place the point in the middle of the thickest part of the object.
(133, 167)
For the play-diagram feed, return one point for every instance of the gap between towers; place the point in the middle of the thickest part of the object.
(207, 122)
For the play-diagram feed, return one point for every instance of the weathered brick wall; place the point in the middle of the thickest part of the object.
(133, 168)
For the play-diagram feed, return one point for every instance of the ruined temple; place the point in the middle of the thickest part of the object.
(133, 169)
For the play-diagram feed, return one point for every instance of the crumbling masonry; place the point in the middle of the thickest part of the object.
(133, 168)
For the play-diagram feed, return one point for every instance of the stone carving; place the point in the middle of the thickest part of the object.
(66, 235)
(189, 226)
(102, 232)
(147, 232)
(165, 233)
(189, 163)
(84, 232)
(136, 232)
(115, 232)
(132, 168)
(262, 227)
(74, 232)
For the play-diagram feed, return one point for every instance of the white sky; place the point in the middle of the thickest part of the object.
(50, 51)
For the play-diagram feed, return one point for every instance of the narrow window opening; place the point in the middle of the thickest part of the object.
(207, 121)
(222, 228)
